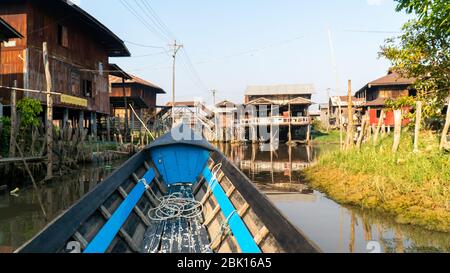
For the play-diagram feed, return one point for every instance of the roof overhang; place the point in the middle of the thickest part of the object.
(119, 102)
(8, 32)
(70, 12)
(116, 71)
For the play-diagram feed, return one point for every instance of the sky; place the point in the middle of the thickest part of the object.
(228, 45)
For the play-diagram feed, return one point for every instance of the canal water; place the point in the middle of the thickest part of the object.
(334, 228)
(21, 214)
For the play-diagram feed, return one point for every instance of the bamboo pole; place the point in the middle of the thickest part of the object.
(32, 179)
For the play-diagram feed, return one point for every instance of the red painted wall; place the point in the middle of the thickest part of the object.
(389, 120)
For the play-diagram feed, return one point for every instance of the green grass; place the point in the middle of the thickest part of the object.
(412, 186)
(323, 137)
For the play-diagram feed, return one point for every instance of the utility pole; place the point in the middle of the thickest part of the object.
(214, 92)
(176, 48)
(330, 39)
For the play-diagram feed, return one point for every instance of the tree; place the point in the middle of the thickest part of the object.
(422, 51)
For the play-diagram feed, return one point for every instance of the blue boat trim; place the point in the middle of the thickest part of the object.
(179, 163)
(240, 231)
(106, 235)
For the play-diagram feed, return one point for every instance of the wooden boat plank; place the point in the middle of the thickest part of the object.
(288, 236)
(152, 238)
(59, 231)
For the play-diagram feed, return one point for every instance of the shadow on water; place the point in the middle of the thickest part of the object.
(333, 227)
(21, 216)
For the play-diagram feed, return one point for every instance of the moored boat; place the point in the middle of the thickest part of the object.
(179, 195)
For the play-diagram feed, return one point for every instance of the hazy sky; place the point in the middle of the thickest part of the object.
(235, 43)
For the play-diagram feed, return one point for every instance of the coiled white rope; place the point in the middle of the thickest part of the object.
(175, 206)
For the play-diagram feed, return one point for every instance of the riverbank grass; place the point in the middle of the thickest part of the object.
(323, 137)
(414, 187)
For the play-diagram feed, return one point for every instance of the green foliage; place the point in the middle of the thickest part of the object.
(5, 134)
(422, 51)
(29, 110)
(400, 103)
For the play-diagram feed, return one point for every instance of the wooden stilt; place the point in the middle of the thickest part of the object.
(13, 130)
(49, 112)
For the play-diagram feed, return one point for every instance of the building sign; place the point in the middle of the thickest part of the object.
(74, 100)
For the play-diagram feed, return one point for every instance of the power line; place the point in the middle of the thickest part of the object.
(371, 31)
(136, 14)
(157, 20)
(154, 22)
(142, 45)
(250, 51)
(194, 70)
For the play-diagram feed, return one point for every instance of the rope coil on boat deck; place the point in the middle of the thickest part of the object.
(174, 206)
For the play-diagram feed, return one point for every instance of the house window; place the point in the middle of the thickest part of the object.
(86, 86)
(378, 113)
(63, 36)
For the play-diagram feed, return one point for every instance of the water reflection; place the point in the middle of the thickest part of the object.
(333, 227)
(21, 216)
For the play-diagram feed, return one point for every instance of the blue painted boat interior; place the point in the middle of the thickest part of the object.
(177, 164)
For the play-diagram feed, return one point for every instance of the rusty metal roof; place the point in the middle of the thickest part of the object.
(135, 80)
(393, 78)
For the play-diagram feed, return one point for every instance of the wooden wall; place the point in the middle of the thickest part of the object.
(69, 66)
(135, 90)
(386, 92)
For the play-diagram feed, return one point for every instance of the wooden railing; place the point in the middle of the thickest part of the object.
(277, 121)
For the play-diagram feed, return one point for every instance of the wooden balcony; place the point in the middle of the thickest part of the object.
(277, 121)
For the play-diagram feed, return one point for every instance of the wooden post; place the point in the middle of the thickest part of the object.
(126, 107)
(65, 122)
(108, 128)
(397, 129)
(132, 122)
(350, 134)
(14, 126)
(418, 123)
(446, 127)
(1, 116)
(361, 133)
(377, 131)
(81, 121)
(49, 112)
(290, 124)
(93, 124)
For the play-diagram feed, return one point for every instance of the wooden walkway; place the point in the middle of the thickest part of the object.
(10, 160)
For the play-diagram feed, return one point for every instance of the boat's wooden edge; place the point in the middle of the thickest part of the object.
(288, 236)
(53, 237)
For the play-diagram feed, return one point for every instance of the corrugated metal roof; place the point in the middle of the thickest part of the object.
(287, 89)
(135, 80)
(343, 101)
(393, 78)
